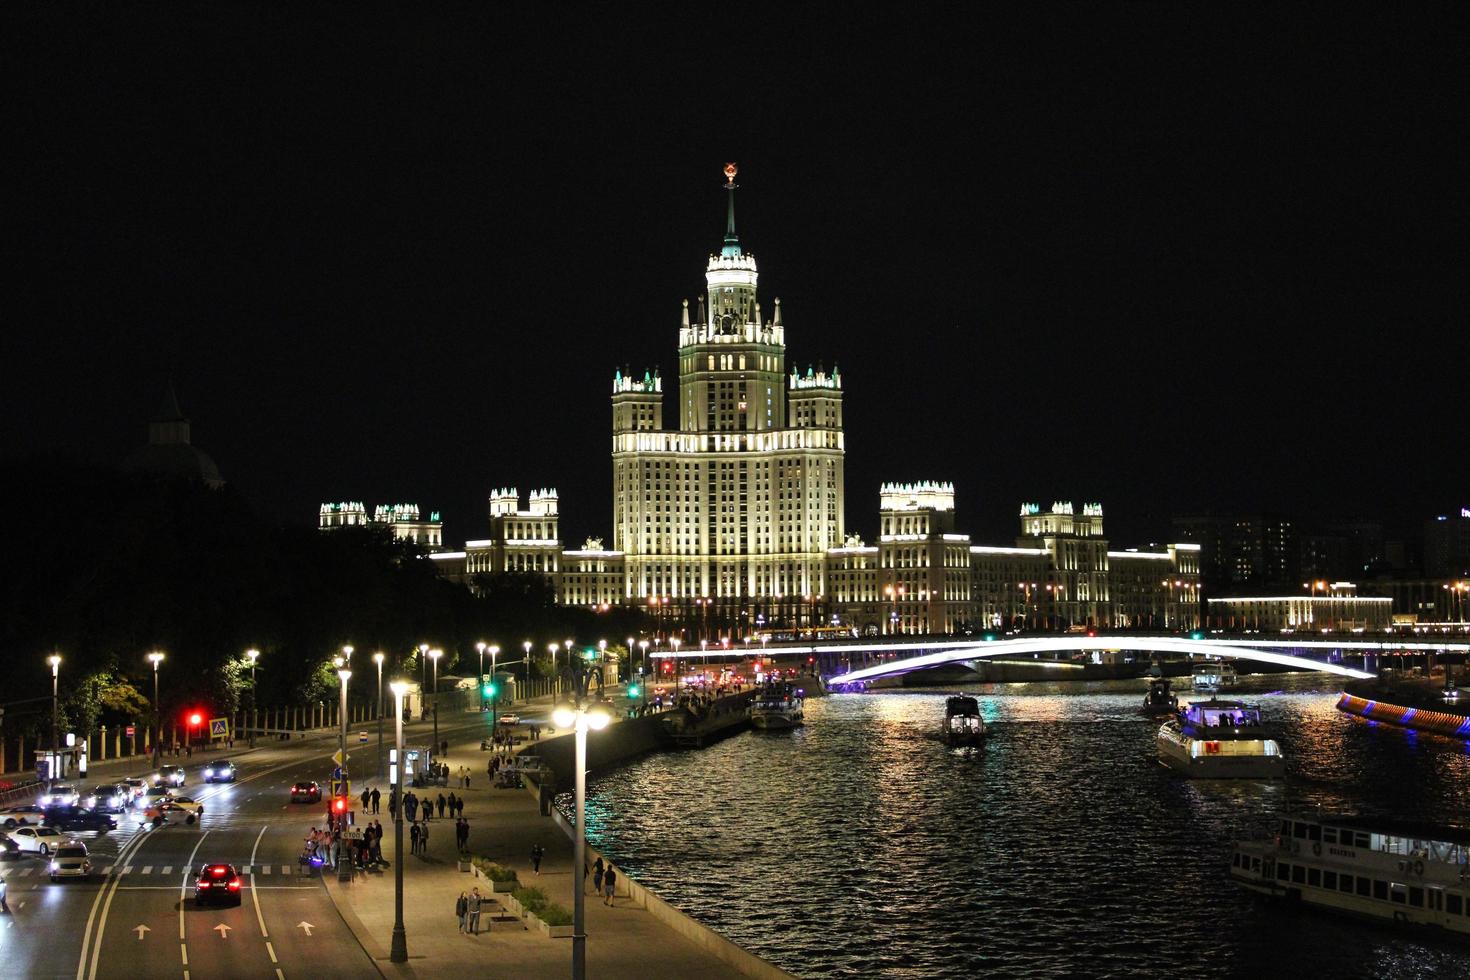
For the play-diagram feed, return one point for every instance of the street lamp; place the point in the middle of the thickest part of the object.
(253, 654)
(526, 666)
(398, 953)
(434, 655)
(378, 659)
(423, 655)
(480, 678)
(55, 661)
(344, 863)
(156, 658)
(553, 647)
(643, 660)
(494, 691)
(585, 717)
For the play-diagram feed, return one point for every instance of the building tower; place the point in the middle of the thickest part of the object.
(728, 517)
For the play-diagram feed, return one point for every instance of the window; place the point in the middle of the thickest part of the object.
(1363, 886)
(1416, 897)
(1380, 890)
(1454, 904)
(1329, 880)
(1314, 878)
(1299, 874)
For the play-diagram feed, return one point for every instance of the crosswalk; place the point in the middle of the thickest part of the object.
(168, 869)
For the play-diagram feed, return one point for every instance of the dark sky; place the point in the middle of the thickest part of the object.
(1167, 257)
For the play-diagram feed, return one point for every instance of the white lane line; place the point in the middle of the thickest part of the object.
(279, 975)
(147, 869)
(272, 950)
(168, 869)
(122, 855)
(253, 894)
(184, 884)
(184, 952)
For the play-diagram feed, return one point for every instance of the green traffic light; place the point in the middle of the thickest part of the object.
(632, 690)
(489, 690)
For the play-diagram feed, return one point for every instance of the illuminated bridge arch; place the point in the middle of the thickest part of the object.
(953, 652)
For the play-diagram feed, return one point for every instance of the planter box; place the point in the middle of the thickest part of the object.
(465, 866)
(502, 887)
(553, 932)
(513, 907)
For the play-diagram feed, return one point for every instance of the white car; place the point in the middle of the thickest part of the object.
(510, 719)
(70, 861)
(187, 805)
(19, 816)
(42, 840)
(135, 786)
(111, 797)
(64, 794)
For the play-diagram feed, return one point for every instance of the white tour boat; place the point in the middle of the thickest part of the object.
(1212, 677)
(1412, 874)
(777, 710)
(963, 723)
(1221, 739)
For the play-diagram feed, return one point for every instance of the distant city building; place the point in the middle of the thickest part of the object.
(169, 451)
(1340, 609)
(1447, 545)
(404, 520)
(1243, 549)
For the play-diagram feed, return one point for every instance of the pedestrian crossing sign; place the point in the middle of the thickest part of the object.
(219, 728)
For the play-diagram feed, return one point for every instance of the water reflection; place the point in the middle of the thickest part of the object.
(861, 845)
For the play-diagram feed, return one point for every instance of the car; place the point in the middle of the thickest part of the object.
(111, 797)
(135, 785)
(510, 718)
(169, 776)
(19, 816)
(220, 772)
(71, 861)
(42, 840)
(59, 793)
(306, 793)
(151, 796)
(217, 883)
(78, 818)
(191, 808)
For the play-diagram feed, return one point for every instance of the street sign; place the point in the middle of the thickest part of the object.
(339, 758)
(219, 728)
(362, 737)
(130, 731)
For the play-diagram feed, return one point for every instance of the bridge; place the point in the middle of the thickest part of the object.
(911, 654)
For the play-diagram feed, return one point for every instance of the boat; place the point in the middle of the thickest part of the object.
(1221, 739)
(963, 723)
(1160, 699)
(1413, 874)
(775, 711)
(1213, 677)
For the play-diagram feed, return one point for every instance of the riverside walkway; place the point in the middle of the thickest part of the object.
(623, 941)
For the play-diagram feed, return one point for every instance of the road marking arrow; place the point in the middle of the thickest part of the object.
(140, 929)
(222, 929)
(305, 925)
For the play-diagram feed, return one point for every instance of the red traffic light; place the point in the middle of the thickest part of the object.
(340, 804)
(195, 718)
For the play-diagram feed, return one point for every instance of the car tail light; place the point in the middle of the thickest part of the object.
(235, 885)
(204, 884)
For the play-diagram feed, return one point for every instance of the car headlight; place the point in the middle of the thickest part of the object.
(54, 866)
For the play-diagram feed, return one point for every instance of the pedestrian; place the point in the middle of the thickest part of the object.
(441, 803)
(462, 911)
(609, 882)
(4, 906)
(597, 877)
(367, 799)
(424, 840)
(536, 851)
(467, 775)
(411, 805)
(475, 912)
(413, 838)
(376, 796)
(444, 747)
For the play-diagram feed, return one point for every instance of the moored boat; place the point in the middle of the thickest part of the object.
(963, 723)
(776, 711)
(1413, 874)
(1212, 677)
(1221, 739)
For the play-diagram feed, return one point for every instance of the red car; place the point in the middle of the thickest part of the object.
(217, 883)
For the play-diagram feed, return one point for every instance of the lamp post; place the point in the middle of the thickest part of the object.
(378, 659)
(434, 655)
(55, 661)
(643, 660)
(398, 953)
(494, 692)
(555, 677)
(423, 655)
(252, 655)
(526, 666)
(585, 717)
(344, 863)
(480, 678)
(156, 658)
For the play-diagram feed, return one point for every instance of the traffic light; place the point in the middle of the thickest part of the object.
(632, 690)
(490, 690)
(195, 719)
(1196, 635)
(339, 804)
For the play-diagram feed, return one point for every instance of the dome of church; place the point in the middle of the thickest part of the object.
(169, 452)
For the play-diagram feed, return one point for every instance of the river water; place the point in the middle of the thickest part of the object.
(861, 845)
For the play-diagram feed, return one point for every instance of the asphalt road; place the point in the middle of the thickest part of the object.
(137, 916)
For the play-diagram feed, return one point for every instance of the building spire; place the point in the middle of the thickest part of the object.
(732, 241)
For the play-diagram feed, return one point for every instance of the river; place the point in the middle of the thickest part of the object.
(861, 846)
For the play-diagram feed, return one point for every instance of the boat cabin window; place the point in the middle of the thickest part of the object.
(1299, 874)
(1416, 897)
(1255, 864)
(1454, 904)
(1360, 840)
(1345, 884)
(1314, 832)
(1329, 880)
(1299, 831)
(1329, 835)
(1283, 871)
(1286, 828)
(1363, 885)
(1380, 890)
(1314, 877)
(1396, 893)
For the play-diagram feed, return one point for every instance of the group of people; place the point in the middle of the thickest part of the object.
(604, 880)
(370, 799)
(363, 850)
(412, 806)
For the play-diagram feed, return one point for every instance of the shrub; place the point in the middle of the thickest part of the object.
(555, 915)
(493, 871)
(534, 900)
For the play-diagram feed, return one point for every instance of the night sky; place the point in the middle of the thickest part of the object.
(1166, 257)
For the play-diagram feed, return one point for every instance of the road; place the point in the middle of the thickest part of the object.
(138, 916)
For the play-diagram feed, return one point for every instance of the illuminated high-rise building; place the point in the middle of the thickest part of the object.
(731, 511)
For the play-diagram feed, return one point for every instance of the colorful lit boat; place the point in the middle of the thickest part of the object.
(1217, 739)
(1413, 874)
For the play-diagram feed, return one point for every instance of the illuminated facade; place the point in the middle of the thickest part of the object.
(404, 520)
(1340, 610)
(737, 504)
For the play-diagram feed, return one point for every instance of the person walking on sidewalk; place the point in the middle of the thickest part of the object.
(609, 882)
(597, 877)
(413, 838)
(536, 853)
(4, 906)
(441, 804)
(376, 796)
(462, 911)
(424, 841)
(475, 912)
(367, 799)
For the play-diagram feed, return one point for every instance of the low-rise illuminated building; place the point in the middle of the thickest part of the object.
(405, 521)
(1337, 608)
